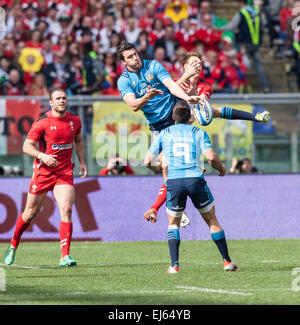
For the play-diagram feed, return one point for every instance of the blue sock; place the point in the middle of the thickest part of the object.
(173, 237)
(220, 241)
(229, 113)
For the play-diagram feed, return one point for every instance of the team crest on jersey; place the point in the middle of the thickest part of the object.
(149, 77)
(71, 124)
(133, 84)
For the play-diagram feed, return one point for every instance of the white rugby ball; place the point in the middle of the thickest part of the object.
(203, 112)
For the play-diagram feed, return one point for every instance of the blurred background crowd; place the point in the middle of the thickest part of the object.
(72, 44)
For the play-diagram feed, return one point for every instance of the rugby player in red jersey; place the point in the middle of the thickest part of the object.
(55, 132)
(193, 84)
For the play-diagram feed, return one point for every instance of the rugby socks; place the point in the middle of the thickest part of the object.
(220, 241)
(65, 233)
(229, 113)
(161, 198)
(173, 237)
(21, 226)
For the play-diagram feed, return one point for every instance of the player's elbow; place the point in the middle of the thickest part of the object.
(211, 157)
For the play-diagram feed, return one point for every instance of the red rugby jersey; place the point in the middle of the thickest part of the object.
(55, 136)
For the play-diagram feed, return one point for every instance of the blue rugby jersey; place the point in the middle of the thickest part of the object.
(182, 145)
(151, 74)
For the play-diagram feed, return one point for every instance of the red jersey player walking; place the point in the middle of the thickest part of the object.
(55, 132)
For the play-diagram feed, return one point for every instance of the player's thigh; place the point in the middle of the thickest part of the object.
(174, 221)
(176, 198)
(64, 195)
(33, 205)
(200, 194)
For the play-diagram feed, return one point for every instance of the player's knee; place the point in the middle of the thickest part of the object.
(66, 211)
(30, 213)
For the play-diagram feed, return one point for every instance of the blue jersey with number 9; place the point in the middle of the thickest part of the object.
(182, 146)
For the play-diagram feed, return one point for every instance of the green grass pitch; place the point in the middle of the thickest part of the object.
(132, 273)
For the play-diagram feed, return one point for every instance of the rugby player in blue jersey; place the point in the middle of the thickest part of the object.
(145, 85)
(182, 146)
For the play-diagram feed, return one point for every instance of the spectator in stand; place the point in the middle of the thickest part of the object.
(76, 67)
(47, 51)
(94, 70)
(213, 72)
(110, 71)
(98, 16)
(38, 87)
(107, 31)
(243, 166)
(42, 26)
(86, 24)
(42, 9)
(58, 73)
(15, 60)
(176, 11)
(64, 8)
(62, 43)
(10, 46)
(73, 50)
(18, 32)
(168, 43)
(35, 40)
(30, 18)
(146, 21)
(284, 15)
(177, 69)
(143, 47)
(123, 22)
(15, 86)
(158, 31)
(16, 13)
(186, 36)
(235, 72)
(115, 40)
(204, 9)
(132, 31)
(248, 22)
(209, 35)
(116, 166)
(160, 56)
(54, 25)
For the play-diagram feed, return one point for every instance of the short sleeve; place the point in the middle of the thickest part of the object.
(36, 131)
(156, 146)
(160, 72)
(205, 141)
(124, 86)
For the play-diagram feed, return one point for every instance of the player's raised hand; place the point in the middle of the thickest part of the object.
(192, 70)
(83, 170)
(48, 160)
(152, 92)
(194, 99)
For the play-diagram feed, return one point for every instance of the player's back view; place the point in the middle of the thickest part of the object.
(182, 146)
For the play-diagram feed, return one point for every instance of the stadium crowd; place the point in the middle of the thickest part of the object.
(72, 44)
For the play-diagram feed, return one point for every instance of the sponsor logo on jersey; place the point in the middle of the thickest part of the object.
(61, 146)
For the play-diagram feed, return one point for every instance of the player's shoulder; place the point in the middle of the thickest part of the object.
(73, 117)
(42, 119)
(204, 82)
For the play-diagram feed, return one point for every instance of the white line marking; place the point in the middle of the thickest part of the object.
(25, 267)
(215, 291)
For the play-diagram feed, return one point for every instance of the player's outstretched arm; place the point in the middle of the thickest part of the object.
(137, 103)
(29, 147)
(179, 92)
(214, 160)
(79, 149)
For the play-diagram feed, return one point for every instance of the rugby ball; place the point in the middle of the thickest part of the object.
(203, 112)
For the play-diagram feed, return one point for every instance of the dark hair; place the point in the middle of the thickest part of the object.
(124, 46)
(182, 112)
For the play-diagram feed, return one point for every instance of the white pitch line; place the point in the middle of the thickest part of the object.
(215, 291)
(25, 267)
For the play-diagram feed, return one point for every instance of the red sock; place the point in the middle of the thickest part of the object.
(19, 229)
(161, 198)
(65, 233)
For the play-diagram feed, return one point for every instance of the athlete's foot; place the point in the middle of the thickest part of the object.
(151, 215)
(229, 266)
(185, 221)
(172, 270)
(263, 117)
(67, 261)
(9, 255)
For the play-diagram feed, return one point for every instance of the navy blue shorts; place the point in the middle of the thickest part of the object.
(194, 187)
